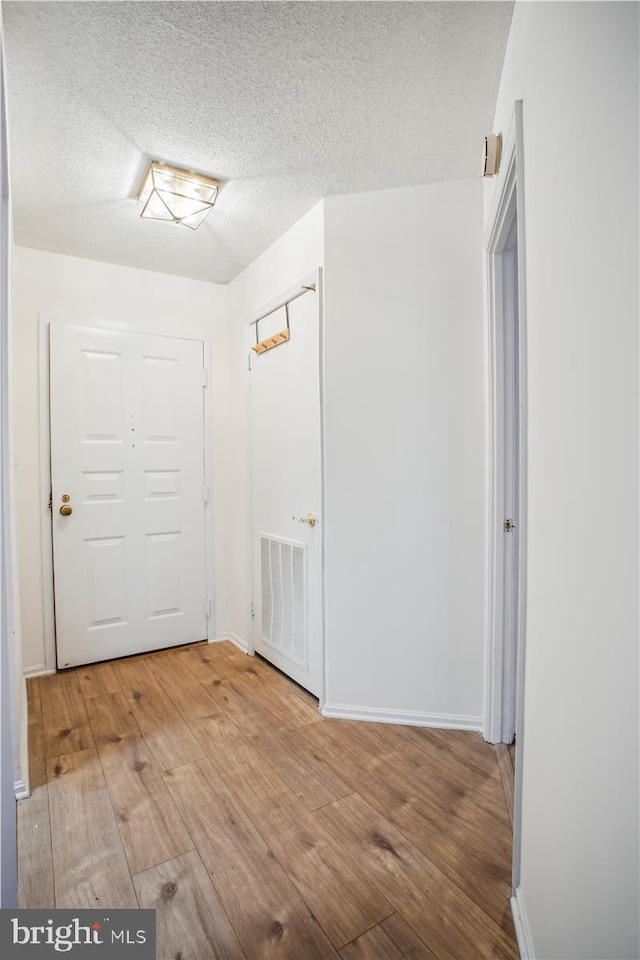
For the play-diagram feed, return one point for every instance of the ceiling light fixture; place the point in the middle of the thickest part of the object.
(178, 196)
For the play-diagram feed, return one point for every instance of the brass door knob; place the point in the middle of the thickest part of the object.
(66, 510)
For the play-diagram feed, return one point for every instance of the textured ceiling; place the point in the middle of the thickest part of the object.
(285, 103)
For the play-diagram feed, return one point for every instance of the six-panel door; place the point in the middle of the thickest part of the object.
(127, 451)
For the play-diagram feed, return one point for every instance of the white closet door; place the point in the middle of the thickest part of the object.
(286, 483)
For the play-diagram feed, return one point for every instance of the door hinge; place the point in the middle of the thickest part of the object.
(206, 493)
(249, 361)
(509, 526)
(205, 378)
(207, 607)
(50, 504)
(253, 613)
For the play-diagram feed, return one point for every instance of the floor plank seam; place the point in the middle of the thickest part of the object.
(321, 806)
(373, 926)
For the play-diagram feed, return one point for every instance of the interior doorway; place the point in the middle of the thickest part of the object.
(507, 416)
(286, 486)
(507, 446)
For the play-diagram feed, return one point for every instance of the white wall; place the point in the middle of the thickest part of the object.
(297, 253)
(404, 444)
(404, 452)
(94, 293)
(575, 66)
(12, 686)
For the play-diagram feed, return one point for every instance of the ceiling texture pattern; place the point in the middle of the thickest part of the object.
(284, 103)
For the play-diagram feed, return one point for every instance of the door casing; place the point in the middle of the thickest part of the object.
(508, 205)
(45, 320)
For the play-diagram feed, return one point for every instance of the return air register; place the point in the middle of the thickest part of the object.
(283, 587)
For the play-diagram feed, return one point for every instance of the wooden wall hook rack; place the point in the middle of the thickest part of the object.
(271, 342)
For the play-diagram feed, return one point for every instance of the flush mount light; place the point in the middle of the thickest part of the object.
(176, 195)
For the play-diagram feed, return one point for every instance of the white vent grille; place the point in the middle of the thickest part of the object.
(283, 579)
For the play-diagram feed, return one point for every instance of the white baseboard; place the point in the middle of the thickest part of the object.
(410, 718)
(38, 671)
(520, 922)
(233, 638)
(20, 790)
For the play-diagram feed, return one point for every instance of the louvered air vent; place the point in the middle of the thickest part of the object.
(283, 579)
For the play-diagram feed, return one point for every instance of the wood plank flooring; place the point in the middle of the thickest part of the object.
(204, 784)
(507, 762)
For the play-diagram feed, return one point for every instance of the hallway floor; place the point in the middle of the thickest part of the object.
(204, 784)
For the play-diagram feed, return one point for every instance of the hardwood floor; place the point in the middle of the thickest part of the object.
(507, 763)
(204, 784)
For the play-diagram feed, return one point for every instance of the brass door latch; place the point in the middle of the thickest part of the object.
(311, 520)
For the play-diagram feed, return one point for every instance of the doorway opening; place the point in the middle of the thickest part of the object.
(286, 431)
(506, 519)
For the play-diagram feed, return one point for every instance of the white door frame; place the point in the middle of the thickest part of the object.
(315, 279)
(45, 320)
(508, 199)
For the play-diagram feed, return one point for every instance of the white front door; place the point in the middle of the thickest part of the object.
(286, 483)
(128, 492)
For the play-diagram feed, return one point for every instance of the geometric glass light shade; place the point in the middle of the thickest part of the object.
(176, 195)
